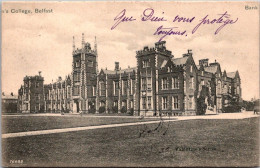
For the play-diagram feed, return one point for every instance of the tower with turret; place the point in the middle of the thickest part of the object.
(84, 70)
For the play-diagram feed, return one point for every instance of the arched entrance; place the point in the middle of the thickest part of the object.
(76, 106)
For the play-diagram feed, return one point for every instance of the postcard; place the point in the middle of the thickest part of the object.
(139, 84)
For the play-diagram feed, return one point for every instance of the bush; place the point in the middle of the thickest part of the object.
(131, 112)
(201, 106)
(115, 109)
(92, 110)
(232, 109)
(102, 109)
(123, 109)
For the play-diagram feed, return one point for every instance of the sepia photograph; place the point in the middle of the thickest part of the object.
(130, 84)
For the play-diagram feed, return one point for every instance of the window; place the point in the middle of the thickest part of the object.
(238, 89)
(164, 103)
(90, 63)
(102, 88)
(76, 90)
(164, 83)
(191, 68)
(68, 92)
(146, 63)
(143, 83)
(191, 102)
(149, 99)
(131, 103)
(76, 77)
(175, 82)
(191, 82)
(144, 103)
(168, 69)
(229, 89)
(202, 82)
(116, 87)
(94, 90)
(175, 102)
(116, 103)
(149, 83)
(202, 73)
(184, 85)
(124, 87)
(77, 64)
(37, 96)
(37, 84)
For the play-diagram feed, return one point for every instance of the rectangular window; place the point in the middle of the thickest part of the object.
(90, 63)
(175, 83)
(133, 86)
(164, 103)
(175, 102)
(124, 87)
(144, 103)
(116, 87)
(191, 82)
(76, 77)
(132, 104)
(191, 102)
(76, 90)
(149, 83)
(149, 102)
(146, 63)
(94, 90)
(102, 88)
(144, 84)
(37, 96)
(164, 83)
(37, 84)
(77, 64)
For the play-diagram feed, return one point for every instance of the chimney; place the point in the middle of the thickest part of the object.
(116, 66)
(204, 62)
(12, 94)
(3, 93)
(40, 73)
(188, 54)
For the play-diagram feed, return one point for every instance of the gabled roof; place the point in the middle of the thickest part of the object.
(164, 63)
(111, 72)
(231, 74)
(9, 97)
(212, 68)
(180, 61)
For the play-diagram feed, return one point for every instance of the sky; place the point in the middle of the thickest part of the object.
(43, 41)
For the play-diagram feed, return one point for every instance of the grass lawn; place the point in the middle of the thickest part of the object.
(11, 124)
(186, 143)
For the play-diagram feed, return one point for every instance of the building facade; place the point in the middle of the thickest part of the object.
(9, 103)
(159, 84)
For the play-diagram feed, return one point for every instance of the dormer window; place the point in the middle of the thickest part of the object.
(77, 64)
(169, 69)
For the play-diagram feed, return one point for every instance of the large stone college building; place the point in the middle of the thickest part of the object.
(159, 84)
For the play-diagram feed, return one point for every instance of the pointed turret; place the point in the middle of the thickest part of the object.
(73, 45)
(83, 40)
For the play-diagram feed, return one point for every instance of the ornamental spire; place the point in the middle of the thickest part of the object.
(83, 41)
(73, 44)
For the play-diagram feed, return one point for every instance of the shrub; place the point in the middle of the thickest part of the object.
(131, 112)
(102, 109)
(123, 109)
(201, 106)
(115, 109)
